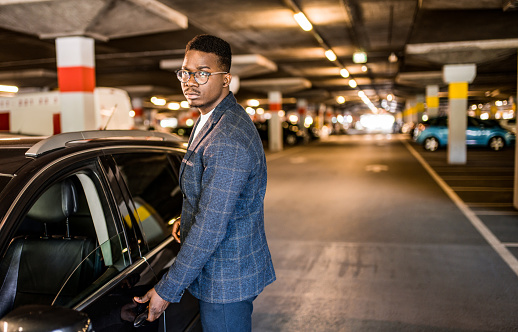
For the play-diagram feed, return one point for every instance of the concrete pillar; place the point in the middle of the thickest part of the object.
(515, 194)
(274, 124)
(410, 111)
(419, 108)
(432, 100)
(136, 103)
(302, 106)
(458, 77)
(76, 79)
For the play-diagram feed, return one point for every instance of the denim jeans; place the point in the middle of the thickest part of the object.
(229, 317)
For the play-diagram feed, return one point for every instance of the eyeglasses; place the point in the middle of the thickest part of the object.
(201, 77)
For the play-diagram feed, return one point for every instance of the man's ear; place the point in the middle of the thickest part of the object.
(227, 80)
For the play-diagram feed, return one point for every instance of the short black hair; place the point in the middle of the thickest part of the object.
(215, 45)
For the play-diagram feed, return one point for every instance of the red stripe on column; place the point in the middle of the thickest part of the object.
(4, 122)
(76, 79)
(56, 123)
(275, 106)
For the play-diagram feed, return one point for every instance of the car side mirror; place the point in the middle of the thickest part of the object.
(44, 318)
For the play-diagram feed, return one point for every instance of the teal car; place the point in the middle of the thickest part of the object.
(433, 134)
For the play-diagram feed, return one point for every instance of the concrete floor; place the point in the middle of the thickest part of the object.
(364, 239)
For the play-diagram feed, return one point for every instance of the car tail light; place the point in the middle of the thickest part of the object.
(421, 127)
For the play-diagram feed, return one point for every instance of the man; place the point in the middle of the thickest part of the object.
(224, 260)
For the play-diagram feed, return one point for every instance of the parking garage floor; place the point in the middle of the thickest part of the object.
(371, 233)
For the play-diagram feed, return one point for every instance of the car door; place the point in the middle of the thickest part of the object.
(477, 132)
(151, 177)
(69, 248)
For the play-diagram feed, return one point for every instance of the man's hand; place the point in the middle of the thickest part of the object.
(176, 230)
(157, 305)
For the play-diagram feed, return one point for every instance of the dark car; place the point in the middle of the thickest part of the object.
(433, 134)
(292, 134)
(184, 131)
(85, 226)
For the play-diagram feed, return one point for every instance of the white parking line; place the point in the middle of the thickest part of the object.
(498, 246)
(497, 189)
(497, 213)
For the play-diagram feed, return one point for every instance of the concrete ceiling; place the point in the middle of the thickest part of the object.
(140, 42)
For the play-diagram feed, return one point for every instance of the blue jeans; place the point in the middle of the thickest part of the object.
(229, 317)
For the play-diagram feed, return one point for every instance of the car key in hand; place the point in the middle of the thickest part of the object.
(140, 319)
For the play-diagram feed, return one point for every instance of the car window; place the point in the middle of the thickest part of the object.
(472, 122)
(152, 179)
(66, 247)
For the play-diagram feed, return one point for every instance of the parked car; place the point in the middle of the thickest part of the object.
(433, 134)
(292, 133)
(85, 226)
(509, 124)
(184, 131)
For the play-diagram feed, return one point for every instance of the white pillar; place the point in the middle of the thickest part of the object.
(458, 77)
(274, 125)
(408, 114)
(515, 194)
(302, 111)
(76, 79)
(432, 100)
(419, 108)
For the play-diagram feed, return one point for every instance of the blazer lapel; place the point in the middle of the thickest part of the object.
(209, 125)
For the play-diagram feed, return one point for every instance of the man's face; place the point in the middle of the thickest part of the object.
(206, 96)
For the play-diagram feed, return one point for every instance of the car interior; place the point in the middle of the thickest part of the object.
(65, 246)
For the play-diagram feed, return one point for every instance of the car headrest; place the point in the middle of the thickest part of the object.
(56, 204)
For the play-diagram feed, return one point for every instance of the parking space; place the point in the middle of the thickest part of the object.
(485, 184)
(365, 239)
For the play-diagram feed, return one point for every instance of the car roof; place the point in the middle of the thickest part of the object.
(18, 150)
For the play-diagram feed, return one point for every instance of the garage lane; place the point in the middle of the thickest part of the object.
(363, 239)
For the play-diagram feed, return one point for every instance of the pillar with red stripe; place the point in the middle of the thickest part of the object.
(76, 79)
(274, 125)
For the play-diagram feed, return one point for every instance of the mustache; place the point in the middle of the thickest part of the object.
(186, 91)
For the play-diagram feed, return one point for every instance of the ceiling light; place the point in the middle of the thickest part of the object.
(359, 57)
(344, 72)
(185, 104)
(303, 21)
(364, 68)
(8, 88)
(158, 101)
(253, 102)
(173, 106)
(390, 97)
(392, 57)
(331, 56)
(353, 84)
(340, 99)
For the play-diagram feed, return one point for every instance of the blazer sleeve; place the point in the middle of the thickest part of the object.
(226, 170)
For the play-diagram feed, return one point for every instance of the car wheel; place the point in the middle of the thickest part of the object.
(431, 144)
(496, 143)
(291, 140)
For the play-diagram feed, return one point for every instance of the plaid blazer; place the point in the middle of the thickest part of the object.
(224, 256)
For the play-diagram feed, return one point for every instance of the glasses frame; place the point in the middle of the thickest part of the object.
(193, 73)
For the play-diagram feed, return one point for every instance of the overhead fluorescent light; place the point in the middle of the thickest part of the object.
(330, 55)
(344, 72)
(303, 21)
(359, 57)
(8, 88)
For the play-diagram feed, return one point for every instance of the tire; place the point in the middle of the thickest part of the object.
(431, 144)
(496, 143)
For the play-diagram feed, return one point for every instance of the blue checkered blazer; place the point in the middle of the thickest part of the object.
(224, 256)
